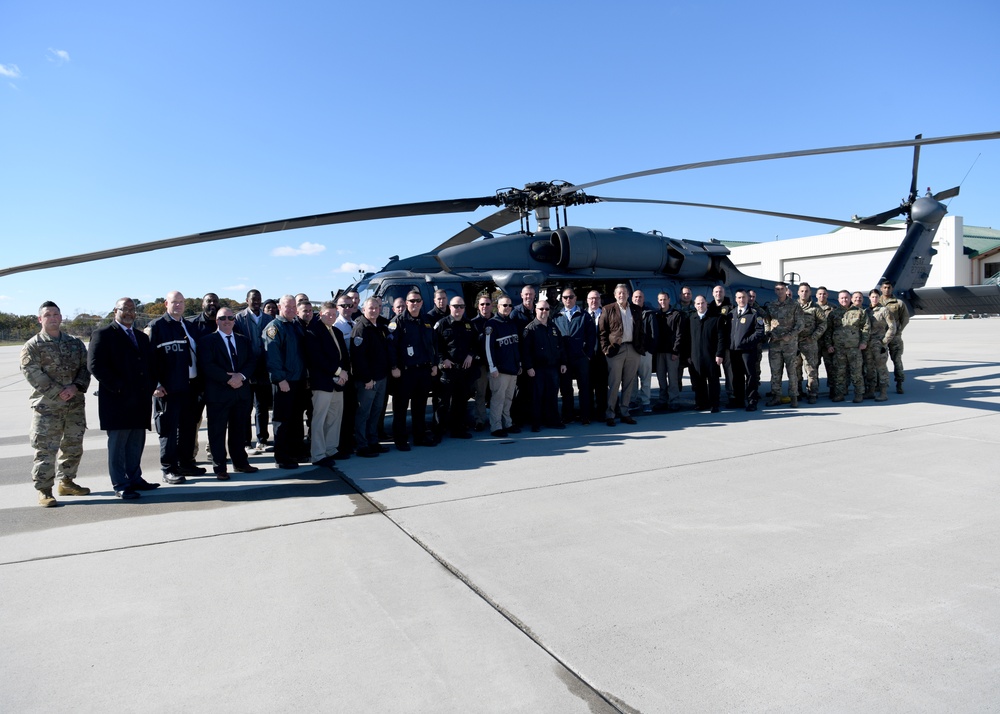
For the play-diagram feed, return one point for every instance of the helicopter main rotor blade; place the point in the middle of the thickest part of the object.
(916, 161)
(501, 218)
(793, 216)
(945, 195)
(425, 208)
(985, 136)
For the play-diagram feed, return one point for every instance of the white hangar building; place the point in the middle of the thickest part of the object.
(853, 259)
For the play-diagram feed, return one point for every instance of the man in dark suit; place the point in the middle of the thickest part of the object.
(746, 334)
(708, 347)
(226, 360)
(122, 361)
(251, 323)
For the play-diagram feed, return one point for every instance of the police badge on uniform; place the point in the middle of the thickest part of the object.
(409, 351)
(489, 330)
(358, 340)
(271, 331)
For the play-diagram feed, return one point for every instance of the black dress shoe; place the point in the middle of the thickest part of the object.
(367, 452)
(382, 448)
(127, 494)
(403, 447)
(610, 422)
(173, 479)
(248, 469)
(288, 465)
(342, 455)
(751, 407)
(715, 410)
(514, 429)
(222, 475)
(142, 485)
(628, 420)
(192, 470)
(499, 433)
(425, 442)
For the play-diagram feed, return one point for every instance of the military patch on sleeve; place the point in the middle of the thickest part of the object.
(760, 320)
(358, 340)
(271, 331)
(393, 325)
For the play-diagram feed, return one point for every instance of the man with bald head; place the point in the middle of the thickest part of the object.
(176, 408)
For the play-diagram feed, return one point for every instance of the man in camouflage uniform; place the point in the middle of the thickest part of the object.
(848, 337)
(823, 304)
(55, 365)
(883, 330)
(902, 316)
(783, 321)
(815, 326)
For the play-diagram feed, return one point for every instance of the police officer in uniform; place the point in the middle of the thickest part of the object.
(543, 359)
(457, 342)
(413, 361)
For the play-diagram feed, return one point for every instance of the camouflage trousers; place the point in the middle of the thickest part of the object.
(849, 370)
(896, 355)
(55, 430)
(782, 355)
(808, 355)
(876, 359)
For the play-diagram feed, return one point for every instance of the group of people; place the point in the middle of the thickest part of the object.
(322, 379)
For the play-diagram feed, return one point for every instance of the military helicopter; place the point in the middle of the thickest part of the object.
(475, 260)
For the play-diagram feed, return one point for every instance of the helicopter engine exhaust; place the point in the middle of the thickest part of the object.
(581, 248)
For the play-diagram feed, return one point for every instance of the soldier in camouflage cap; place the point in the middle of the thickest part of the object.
(848, 337)
(883, 330)
(783, 321)
(807, 359)
(55, 365)
(898, 311)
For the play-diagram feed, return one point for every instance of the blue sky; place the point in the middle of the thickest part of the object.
(128, 122)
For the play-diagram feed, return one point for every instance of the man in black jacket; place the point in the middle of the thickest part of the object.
(543, 359)
(708, 348)
(456, 343)
(370, 372)
(123, 365)
(413, 361)
(670, 335)
(178, 388)
(328, 366)
(746, 335)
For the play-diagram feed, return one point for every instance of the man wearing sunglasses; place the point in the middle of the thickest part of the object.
(413, 360)
(226, 360)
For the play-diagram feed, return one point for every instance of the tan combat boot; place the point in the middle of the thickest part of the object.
(45, 499)
(881, 396)
(68, 488)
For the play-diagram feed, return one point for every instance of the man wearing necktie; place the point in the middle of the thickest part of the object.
(225, 359)
(121, 359)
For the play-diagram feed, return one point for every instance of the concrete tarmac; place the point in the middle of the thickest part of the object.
(835, 557)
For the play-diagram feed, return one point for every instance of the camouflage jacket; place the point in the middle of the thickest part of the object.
(898, 311)
(825, 311)
(52, 363)
(848, 327)
(814, 322)
(883, 324)
(783, 321)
